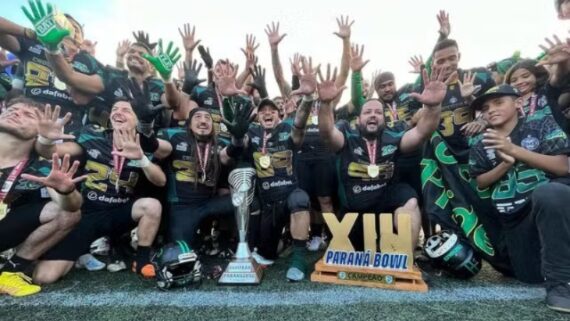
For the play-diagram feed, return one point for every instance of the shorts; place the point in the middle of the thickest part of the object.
(94, 224)
(317, 176)
(19, 223)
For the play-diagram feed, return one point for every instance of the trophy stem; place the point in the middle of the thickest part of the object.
(243, 251)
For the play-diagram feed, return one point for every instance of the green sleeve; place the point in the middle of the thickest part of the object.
(357, 98)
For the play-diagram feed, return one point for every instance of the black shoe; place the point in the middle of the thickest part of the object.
(558, 297)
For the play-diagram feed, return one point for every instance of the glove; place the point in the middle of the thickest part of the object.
(191, 74)
(49, 24)
(164, 62)
(239, 126)
(205, 54)
(142, 106)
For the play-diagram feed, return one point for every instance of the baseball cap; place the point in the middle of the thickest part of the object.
(497, 91)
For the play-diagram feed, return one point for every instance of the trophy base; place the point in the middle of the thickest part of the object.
(242, 272)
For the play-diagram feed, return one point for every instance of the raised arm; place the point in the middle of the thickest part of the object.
(189, 41)
(250, 60)
(122, 50)
(274, 39)
(328, 91)
(50, 130)
(164, 63)
(8, 33)
(356, 64)
(308, 85)
(558, 58)
(344, 34)
(431, 98)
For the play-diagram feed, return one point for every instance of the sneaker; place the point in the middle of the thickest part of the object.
(316, 244)
(261, 260)
(100, 246)
(146, 272)
(295, 274)
(17, 284)
(89, 262)
(116, 266)
(558, 297)
(134, 238)
(5, 256)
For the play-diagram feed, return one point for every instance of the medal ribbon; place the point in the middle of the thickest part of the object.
(394, 111)
(118, 162)
(7, 186)
(203, 160)
(372, 151)
(532, 108)
(265, 139)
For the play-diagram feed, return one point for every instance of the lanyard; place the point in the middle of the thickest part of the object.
(372, 151)
(118, 162)
(7, 186)
(265, 139)
(203, 160)
(393, 111)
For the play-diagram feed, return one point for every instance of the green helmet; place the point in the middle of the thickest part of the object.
(176, 264)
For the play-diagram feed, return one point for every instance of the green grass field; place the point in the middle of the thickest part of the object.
(123, 296)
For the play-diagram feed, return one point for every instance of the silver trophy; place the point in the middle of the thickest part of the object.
(243, 269)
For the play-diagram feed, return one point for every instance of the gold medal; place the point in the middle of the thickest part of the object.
(315, 120)
(3, 210)
(373, 171)
(265, 161)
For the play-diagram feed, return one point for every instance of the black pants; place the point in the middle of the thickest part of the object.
(539, 244)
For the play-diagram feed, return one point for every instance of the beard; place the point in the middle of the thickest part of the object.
(364, 132)
(16, 133)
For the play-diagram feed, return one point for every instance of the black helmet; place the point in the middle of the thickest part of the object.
(454, 255)
(176, 264)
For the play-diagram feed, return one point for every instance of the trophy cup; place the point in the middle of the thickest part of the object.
(242, 269)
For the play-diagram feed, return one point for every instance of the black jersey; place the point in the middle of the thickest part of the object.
(186, 181)
(105, 187)
(359, 190)
(274, 166)
(513, 191)
(313, 146)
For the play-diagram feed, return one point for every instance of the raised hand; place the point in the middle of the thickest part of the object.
(273, 34)
(123, 48)
(48, 23)
(164, 62)
(239, 124)
(258, 83)
(61, 176)
(143, 37)
(226, 79)
(357, 62)
(296, 65)
(468, 87)
(128, 144)
(444, 25)
(249, 51)
(141, 103)
(89, 46)
(191, 74)
(434, 88)
(189, 37)
(326, 88)
(556, 52)
(307, 78)
(416, 62)
(206, 57)
(343, 27)
(50, 126)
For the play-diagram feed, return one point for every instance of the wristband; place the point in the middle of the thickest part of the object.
(65, 193)
(144, 162)
(45, 141)
(53, 52)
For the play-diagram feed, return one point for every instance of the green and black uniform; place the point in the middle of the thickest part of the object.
(191, 192)
(531, 203)
(25, 201)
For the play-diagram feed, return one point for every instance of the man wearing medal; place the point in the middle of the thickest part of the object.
(115, 163)
(270, 146)
(368, 153)
(28, 219)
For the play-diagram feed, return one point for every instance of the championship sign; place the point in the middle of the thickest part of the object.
(392, 267)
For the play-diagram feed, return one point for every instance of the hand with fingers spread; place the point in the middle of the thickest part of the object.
(357, 62)
(249, 51)
(206, 56)
(326, 88)
(557, 51)
(50, 126)
(467, 86)
(258, 83)
(434, 88)
(239, 125)
(61, 176)
(189, 37)
(142, 105)
(226, 79)
(343, 27)
(444, 25)
(307, 78)
(164, 62)
(296, 65)
(48, 24)
(273, 34)
(128, 144)
(123, 48)
(492, 139)
(416, 62)
(191, 74)
(142, 37)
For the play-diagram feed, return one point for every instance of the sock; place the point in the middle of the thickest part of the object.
(143, 257)
(17, 264)
(299, 254)
(316, 230)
